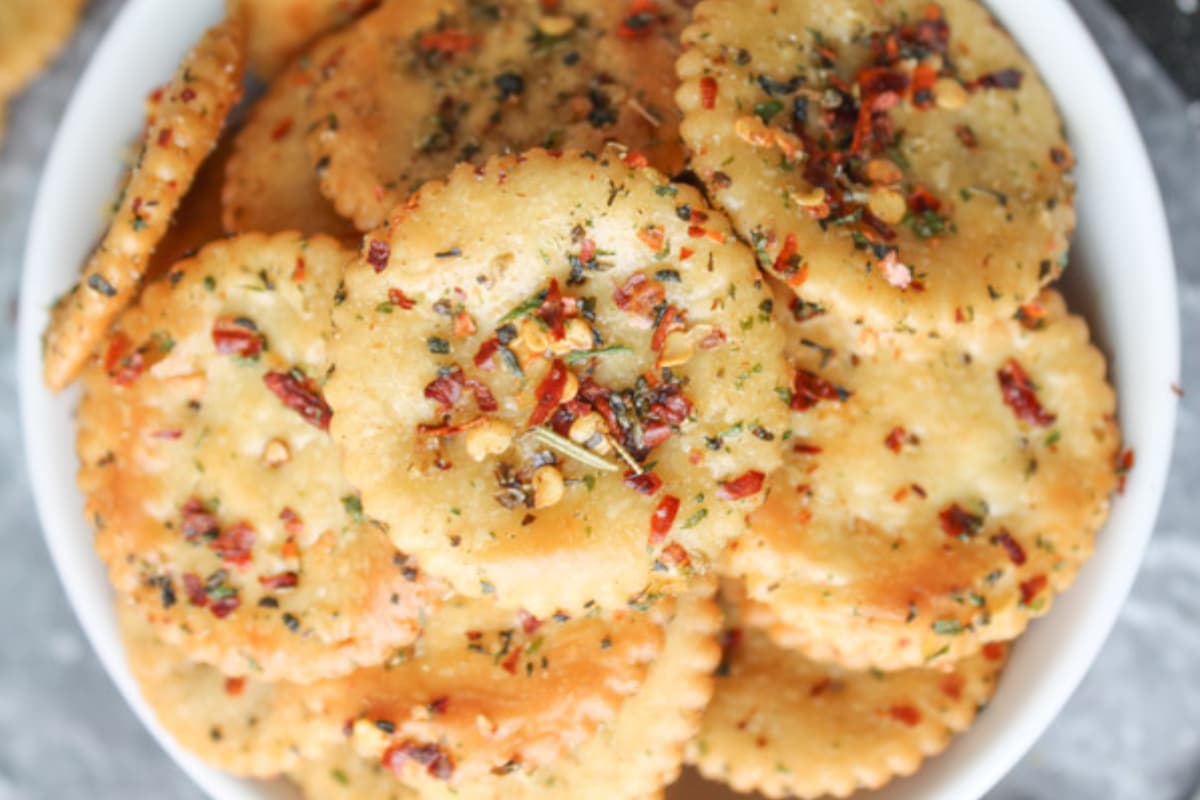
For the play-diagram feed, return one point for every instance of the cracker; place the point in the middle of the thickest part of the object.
(429, 83)
(279, 30)
(486, 691)
(453, 395)
(928, 503)
(786, 726)
(31, 32)
(949, 198)
(244, 726)
(212, 484)
(269, 182)
(634, 756)
(184, 121)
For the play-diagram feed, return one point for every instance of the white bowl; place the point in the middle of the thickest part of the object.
(1122, 277)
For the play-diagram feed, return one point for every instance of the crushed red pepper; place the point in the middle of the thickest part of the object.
(663, 518)
(1020, 394)
(1016, 553)
(808, 389)
(436, 761)
(745, 485)
(959, 523)
(301, 394)
(237, 336)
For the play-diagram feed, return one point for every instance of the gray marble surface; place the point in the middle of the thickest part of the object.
(1132, 731)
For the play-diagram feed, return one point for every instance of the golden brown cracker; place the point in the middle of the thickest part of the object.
(429, 83)
(634, 756)
(270, 184)
(183, 124)
(279, 30)
(241, 725)
(936, 493)
(556, 380)
(901, 161)
(786, 726)
(211, 479)
(31, 32)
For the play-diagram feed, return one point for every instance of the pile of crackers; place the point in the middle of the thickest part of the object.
(524, 398)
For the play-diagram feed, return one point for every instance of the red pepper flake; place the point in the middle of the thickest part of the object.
(1020, 394)
(283, 580)
(483, 396)
(967, 136)
(237, 336)
(292, 523)
(787, 261)
(235, 544)
(685, 253)
(673, 555)
(654, 237)
(1032, 315)
(549, 393)
(451, 40)
(378, 254)
(646, 483)
(164, 137)
(880, 80)
(714, 339)
(551, 311)
(957, 522)
(639, 19)
(905, 714)
(708, 93)
(806, 449)
(639, 295)
(196, 521)
(438, 705)
(168, 433)
(952, 686)
(446, 388)
(400, 299)
(125, 367)
(587, 250)
(281, 129)
(663, 518)
(235, 686)
(118, 345)
(302, 395)
(672, 320)
(1016, 553)
(436, 761)
(1000, 79)
(921, 200)
(655, 433)
(1124, 463)
(995, 651)
(1031, 588)
(486, 355)
(529, 623)
(747, 484)
(808, 389)
(193, 587)
(188, 94)
(895, 439)
(509, 664)
(636, 160)
(922, 86)
(298, 271)
(225, 606)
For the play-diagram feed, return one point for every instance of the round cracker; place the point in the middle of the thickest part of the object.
(278, 30)
(429, 83)
(634, 756)
(218, 508)
(786, 726)
(241, 725)
(928, 513)
(31, 32)
(486, 691)
(183, 124)
(967, 207)
(269, 182)
(436, 418)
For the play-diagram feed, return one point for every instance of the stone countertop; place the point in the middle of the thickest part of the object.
(1131, 731)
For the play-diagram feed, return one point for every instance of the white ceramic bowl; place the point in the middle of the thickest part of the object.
(1121, 276)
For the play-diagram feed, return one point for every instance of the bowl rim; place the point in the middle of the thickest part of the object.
(999, 739)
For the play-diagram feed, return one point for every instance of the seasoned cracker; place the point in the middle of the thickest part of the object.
(279, 30)
(901, 161)
(634, 756)
(212, 481)
(242, 725)
(786, 726)
(556, 380)
(31, 32)
(937, 494)
(429, 83)
(486, 691)
(270, 184)
(183, 123)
